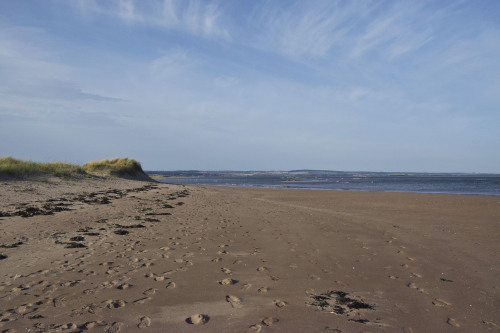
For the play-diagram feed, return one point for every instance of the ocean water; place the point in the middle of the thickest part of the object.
(341, 181)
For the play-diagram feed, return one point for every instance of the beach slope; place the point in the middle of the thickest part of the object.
(115, 255)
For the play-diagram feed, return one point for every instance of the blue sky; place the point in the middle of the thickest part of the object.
(253, 85)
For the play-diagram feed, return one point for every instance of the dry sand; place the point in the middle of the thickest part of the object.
(165, 258)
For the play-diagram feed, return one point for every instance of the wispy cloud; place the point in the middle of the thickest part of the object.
(401, 28)
(32, 81)
(302, 30)
(335, 28)
(195, 17)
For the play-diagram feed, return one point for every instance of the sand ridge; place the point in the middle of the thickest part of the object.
(122, 256)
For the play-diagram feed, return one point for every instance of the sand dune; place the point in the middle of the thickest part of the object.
(126, 256)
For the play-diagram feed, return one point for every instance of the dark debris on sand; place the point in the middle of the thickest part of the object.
(338, 302)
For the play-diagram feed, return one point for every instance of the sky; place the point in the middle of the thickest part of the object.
(253, 85)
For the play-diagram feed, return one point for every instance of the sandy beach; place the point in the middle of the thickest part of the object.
(124, 256)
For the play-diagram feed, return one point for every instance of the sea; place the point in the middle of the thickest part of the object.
(481, 184)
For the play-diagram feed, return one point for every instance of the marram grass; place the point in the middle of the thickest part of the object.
(23, 169)
(116, 167)
(15, 168)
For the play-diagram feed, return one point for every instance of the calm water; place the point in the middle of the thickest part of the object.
(347, 181)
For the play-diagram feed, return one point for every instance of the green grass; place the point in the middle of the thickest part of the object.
(119, 167)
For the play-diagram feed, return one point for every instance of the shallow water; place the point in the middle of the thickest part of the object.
(347, 181)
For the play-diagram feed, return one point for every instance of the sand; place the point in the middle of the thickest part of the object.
(126, 256)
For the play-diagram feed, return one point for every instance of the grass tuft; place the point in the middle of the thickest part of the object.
(115, 167)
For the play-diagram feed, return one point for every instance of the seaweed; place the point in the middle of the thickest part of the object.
(11, 246)
(74, 245)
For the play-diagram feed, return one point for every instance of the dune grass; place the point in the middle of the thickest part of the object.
(115, 167)
(119, 167)
(24, 169)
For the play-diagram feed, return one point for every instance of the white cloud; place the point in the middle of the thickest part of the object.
(333, 29)
(401, 29)
(302, 30)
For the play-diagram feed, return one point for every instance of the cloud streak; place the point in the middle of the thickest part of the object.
(195, 17)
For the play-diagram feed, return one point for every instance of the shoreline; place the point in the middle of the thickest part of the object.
(326, 189)
(154, 255)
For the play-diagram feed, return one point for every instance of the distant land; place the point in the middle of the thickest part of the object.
(310, 172)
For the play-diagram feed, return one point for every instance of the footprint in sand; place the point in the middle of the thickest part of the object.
(142, 300)
(490, 323)
(59, 302)
(262, 269)
(216, 259)
(414, 286)
(124, 286)
(198, 319)
(145, 322)
(150, 291)
(225, 270)
(115, 327)
(255, 328)
(227, 281)
(171, 285)
(440, 302)
(234, 301)
(263, 290)
(269, 321)
(115, 304)
(279, 303)
(453, 322)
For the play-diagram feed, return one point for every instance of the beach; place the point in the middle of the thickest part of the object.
(117, 255)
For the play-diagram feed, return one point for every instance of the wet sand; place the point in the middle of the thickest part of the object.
(127, 256)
